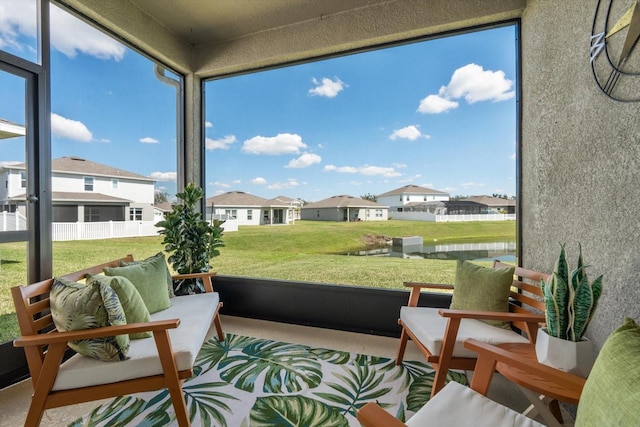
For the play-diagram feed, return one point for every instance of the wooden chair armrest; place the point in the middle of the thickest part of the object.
(490, 352)
(106, 331)
(492, 315)
(205, 276)
(372, 415)
(428, 285)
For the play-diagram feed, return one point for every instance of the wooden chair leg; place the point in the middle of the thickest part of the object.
(45, 383)
(216, 320)
(446, 352)
(174, 385)
(402, 347)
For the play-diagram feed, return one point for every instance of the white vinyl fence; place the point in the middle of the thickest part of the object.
(429, 217)
(102, 230)
(12, 221)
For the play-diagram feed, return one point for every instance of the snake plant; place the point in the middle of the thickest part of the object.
(570, 299)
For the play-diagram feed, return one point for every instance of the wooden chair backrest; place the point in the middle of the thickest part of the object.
(526, 293)
(34, 313)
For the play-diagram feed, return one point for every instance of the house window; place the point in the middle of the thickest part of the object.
(23, 180)
(231, 213)
(250, 214)
(88, 183)
(425, 198)
(135, 214)
(114, 184)
(378, 213)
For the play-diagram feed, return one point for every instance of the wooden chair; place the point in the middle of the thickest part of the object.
(45, 349)
(440, 333)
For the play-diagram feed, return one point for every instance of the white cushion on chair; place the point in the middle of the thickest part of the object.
(196, 315)
(429, 327)
(457, 405)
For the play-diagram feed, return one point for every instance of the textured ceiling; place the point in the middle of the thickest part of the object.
(216, 21)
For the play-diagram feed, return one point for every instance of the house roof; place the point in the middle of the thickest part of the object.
(163, 206)
(490, 201)
(77, 165)
(411, 189)
(10, 130)
(237, 198)
(64, 196)
(343, 201)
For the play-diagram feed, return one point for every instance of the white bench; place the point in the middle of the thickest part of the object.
(162, 362)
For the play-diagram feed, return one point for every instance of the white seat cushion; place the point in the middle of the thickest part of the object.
(457, 405)
(196, 315)
(429, 327)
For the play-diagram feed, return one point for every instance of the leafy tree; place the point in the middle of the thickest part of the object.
(370, 197)
(160, 197)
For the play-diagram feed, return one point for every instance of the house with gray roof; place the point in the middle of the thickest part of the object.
(249, 209)
(345, 208)
(494, 204)
(83, 191)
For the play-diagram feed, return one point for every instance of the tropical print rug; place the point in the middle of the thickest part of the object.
(256, 382)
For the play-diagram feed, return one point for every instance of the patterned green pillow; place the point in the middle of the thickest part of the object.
(134, 308)
(149, 278)
(77, 306)
(152, 259)
(482, 288)
(612, 391)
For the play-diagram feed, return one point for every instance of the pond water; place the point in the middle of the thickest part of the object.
(504, 251)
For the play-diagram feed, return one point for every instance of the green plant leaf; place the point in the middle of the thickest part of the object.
(286, 367)
(213, 351)
(203, 401)
(360, 384)
(294, 411)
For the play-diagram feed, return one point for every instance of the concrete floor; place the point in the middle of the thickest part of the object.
(14, 400)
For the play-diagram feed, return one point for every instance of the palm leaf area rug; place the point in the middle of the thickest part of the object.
(246, 382)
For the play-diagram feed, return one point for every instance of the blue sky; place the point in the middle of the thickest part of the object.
(440, 114)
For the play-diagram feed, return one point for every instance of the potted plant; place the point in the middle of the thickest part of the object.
(190, 241)
(570, 301)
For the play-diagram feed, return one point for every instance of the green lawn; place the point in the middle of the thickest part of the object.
(304, 251)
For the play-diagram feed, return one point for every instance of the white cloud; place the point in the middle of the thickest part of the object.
(434, 104)
(208, 124)
(220, 184)
(283, 143)
(305, 160)
(474, 84)
(513, 157)
(409, 132)
(290, 183)
(259, 180)
(164, 176)
(327, 87)
(220, 144)
(70, 129)
(69, 34)
(364, 170)
(148, 140)
(471, 184)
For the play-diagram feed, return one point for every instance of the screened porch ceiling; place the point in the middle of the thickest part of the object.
(212, 38)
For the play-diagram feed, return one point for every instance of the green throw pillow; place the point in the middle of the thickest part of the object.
(77, 306)
(152, 259)
(149, 278)
(482, 288)
(611, 393)
(134, 307)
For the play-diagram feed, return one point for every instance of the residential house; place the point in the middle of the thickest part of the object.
(494, 204)
(410, 195)
(83, 191)
(249, 209)
(345, 208)
(10, 130)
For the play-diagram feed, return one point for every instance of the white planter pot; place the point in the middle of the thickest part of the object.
(573, 357)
